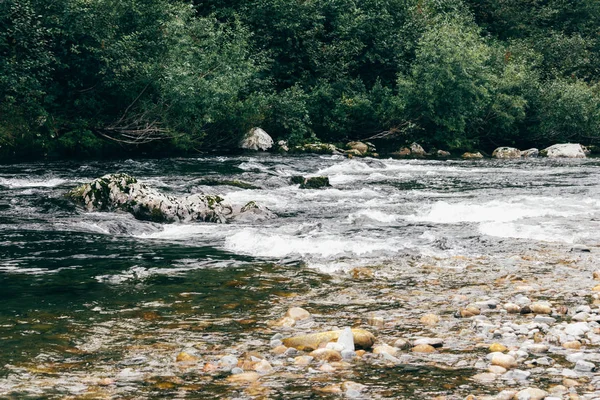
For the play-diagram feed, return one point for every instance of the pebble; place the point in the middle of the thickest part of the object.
(541, 308)
(537, 348)
(585, 366)
(423, 348)
(243, 378)
(433, 342)
(512, 308)
(574, 345)
(402, 344)
(376, 322)
(326, 368)
(303, 360)
(577, 329)
(263, 367)
(228, 362)
(496, 369)
(497, 347)
(596, 275)
(503, 360)
(297, 314)
(485, 377)
(346, 339)
(384, 348)
(516, 375)
(530, 394)
(469, 312)
(281, 349)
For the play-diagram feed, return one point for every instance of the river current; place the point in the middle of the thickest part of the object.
(87, 296)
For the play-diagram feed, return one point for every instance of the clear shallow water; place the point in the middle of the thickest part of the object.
(84, 288)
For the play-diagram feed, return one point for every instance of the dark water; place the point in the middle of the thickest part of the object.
(87, 296)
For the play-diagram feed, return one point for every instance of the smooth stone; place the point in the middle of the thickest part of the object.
(276, 343)
(326, 354)
(596, 275)
(335, 346)
(376, 322)
(362, 339)
(581, 316)
(384, 348)
(256, 139)
(327, 368)
(348, 354)
(417, 150)
(503, 360)
(297, 314)
(505, 395)
(350, 385)
(423, 348)
(530, 153)
(228, 362)
(443, 153)
(579, 248)
(544, 319)
(531, 394)
(278, 350)
(237, 370)
(361, 147)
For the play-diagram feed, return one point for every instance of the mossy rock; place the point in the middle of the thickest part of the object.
(316, 182)
(234, 183)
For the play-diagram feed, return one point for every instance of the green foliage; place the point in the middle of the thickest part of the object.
(87, 78)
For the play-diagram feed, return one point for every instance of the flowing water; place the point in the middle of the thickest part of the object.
(91, 296)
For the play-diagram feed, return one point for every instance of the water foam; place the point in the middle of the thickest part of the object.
(15, 183)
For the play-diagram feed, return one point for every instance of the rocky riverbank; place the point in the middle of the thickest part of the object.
(519, 326)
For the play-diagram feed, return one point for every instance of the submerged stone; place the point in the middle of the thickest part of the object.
(362, 339)
(315, 182)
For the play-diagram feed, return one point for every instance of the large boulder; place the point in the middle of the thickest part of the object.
(361, 147)
(564, 150)
(506, 152)
(362, 339)
(121, 192)
(256, 139)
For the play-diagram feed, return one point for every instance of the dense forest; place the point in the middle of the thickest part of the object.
(91, 78)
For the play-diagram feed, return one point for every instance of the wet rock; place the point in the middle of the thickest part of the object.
(530, 153)
(423, 348)
(537, 348)
(256, 139)
(362, 339)
(297, 314)
(283, 146)
(564, 150)
(577, 329)
(516, 375)
(430, 319)
(121, 192)
(227, 363)
(530, 394)
(503, 360)
(443, 153)
(496, 369)
(353, 390)
(506, 153)
(472, 156)
(326, 355)
(315, 182)
(327, 368)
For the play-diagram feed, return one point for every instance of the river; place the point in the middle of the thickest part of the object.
(99, 304)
